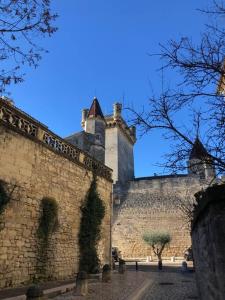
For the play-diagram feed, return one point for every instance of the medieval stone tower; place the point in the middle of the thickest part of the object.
(92, 138)
(108, 139)
(146, 203)
(120, 140)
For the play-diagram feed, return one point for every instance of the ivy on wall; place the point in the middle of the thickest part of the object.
(48, 221)
(4, 197)
(92, 214)
(48, 224)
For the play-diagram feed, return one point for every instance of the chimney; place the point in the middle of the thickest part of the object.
(117, 108)
(85, 112)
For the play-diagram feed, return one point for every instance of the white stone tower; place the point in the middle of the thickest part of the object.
(119, 143)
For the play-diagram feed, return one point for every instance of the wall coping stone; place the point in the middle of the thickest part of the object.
(161, 177)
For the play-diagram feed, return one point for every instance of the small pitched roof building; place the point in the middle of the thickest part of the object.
(200, 161)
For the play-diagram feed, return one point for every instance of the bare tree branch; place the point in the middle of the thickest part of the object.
(21, 22)
(200, 91)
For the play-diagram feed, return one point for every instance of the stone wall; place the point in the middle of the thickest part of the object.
(33, 170)
(208, 239)
(153, 204)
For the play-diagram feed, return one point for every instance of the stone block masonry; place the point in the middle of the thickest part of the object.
(35, 163)
(208, 237)
(153, 204)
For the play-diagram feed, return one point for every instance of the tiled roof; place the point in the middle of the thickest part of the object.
(198, 151)
(95, 110)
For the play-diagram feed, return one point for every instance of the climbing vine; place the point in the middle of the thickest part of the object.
(4, 198)
(92, 213)
(48, 224)
(48, 221)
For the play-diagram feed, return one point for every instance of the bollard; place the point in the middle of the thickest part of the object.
(149, 258)
(81, 283)
(136, 266)
(35, 292)
(122, 266)
(113, 264)
(184, 267)
(106, 273)
(172, 258)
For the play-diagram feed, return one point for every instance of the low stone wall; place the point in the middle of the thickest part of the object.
(153, 204)
(208, 240)
(32, 169)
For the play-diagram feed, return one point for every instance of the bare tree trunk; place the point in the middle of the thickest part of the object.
(159, 261)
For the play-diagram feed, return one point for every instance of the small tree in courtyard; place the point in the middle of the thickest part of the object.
(158, 241)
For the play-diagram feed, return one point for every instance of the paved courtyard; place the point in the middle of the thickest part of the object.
(146, 284)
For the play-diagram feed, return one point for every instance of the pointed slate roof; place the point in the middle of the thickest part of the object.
(198, 151)
(95, 110)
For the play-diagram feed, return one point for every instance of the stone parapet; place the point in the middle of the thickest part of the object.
(24, 124)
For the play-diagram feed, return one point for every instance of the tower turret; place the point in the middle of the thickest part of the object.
(94, 123)
(120, 140)
(117, 109)
(200, 162)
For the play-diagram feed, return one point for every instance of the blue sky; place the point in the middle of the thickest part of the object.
(101, 49)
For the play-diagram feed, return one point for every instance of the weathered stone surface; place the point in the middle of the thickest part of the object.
(38, 172)
(153, 205)
(208, 238)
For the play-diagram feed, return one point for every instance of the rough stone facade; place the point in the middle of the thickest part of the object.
(35, 163)
(153, 204)
(208, 237)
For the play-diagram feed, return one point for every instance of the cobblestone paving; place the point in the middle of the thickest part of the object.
(120, 287)
(169, 284)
